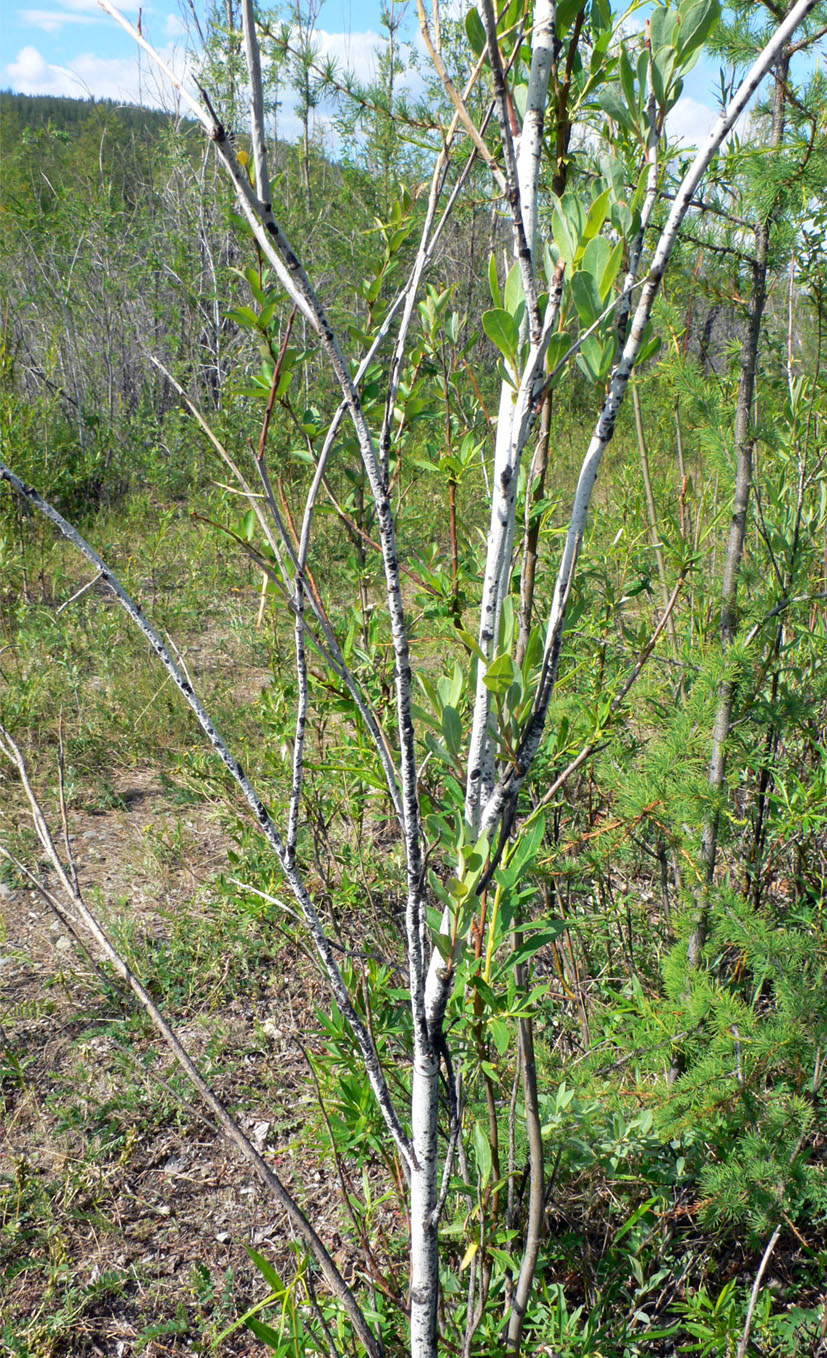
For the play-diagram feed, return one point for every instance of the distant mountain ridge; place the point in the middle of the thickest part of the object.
(63, 114)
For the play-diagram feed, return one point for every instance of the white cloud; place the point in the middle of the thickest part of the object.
(175, 27)
(357, 53)
(92, 7)
(353, 54)
(50, 20)
(633, 26)
(70, 12)
(28, 73)
(133, 79)
(689, 121)
(124, 79)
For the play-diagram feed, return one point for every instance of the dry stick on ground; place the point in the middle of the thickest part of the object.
(765, 1259)
(67, 876)
(756, 1288)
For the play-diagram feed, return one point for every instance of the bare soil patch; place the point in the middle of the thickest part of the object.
(123, 1215)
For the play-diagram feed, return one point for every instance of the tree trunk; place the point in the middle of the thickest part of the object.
(744, 445)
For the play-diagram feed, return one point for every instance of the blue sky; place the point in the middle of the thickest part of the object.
(71, 47)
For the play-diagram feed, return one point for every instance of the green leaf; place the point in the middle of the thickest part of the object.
(398, 238)
(595, 258)
(484, 1161)
(266, 1334)
(627, 78)
(493, 282)
(558, 347)
(549, 933)
(248, 525)
(663, 67)
(485, 992)
(440, 893)
(588, 359)
(567, 10)
(371, 290)
(250, 276)
(438, 750)
(513, 295)
(551, 258)
(472, 644)
(610, 272)
(525, 851)
(451, 729)
(643, 78)
(562, 237)
(597, 215)
(240, 223)
(586, 296)
(311, 422)
(611, 102)
(662, 25)
(697, 20)
(649, 349)
(499, 1031)
(245, 317)
(621, 218)
(475, 31)
(502, 330)
(360, 772)
(443, 945)
(500, 675)
(266, 1270)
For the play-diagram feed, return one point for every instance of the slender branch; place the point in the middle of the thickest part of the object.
(228, 1124)
(592, 746)
(519, 209)
(517, 419)
(756, 1288)
(262, 816)
(329, 650)
(651, 508)
(604, 430)
(458, 102)
(636, 252)
(781, 608)
(423, 256)
(290, 272)
(736, 538)
(252, 499)
(253, 58)
(78, 594)
(274, 385)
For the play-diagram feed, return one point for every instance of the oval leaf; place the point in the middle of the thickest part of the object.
(586, 296)
(501, 329)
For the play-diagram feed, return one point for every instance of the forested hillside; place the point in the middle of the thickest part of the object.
(413, 696)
